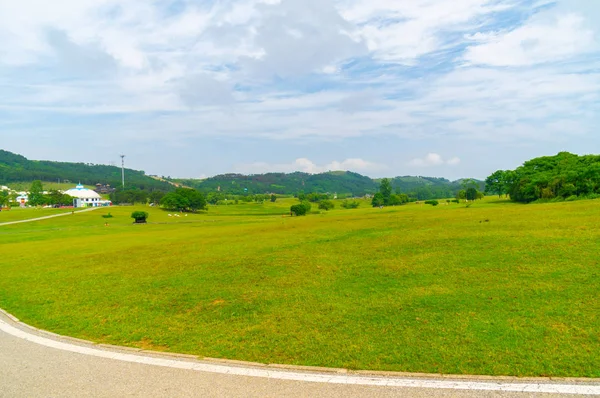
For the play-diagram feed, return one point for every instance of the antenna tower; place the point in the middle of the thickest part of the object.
(123, 170)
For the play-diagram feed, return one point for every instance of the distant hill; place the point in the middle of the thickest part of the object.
(341, 182)
(17, 168)
(285, 184)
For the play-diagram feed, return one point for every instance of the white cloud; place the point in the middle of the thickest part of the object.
(433, 159)
(542, 39)
(455, 161)
(405, 30)
(308, 166)
(351, 71)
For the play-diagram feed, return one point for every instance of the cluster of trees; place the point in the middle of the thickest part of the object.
(313, 196)
(184, 199)
(37, 197)
(17, 168)
(470, 190)
(133, 196)
(562, 177)
(385, 197)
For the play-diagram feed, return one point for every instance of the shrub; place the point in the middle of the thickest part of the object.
(299, 209)
(572, 198)
(107, 215)
(455, 201)
(432, 202)
(139, 217)
(326, 205)
(307, 205)
(350, 204)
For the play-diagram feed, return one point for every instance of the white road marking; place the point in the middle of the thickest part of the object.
(577, 389)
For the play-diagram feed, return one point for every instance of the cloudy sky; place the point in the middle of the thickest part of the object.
(448, 88)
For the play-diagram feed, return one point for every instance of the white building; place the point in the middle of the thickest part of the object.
(86, 197)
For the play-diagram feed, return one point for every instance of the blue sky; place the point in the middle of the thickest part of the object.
(446, 88)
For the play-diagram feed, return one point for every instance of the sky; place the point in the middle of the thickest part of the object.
(444, 88)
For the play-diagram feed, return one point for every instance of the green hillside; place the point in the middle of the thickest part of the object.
(17, 169)
(341, 182)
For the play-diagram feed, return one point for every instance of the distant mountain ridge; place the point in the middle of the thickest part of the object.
(341, 182)
(17, 168)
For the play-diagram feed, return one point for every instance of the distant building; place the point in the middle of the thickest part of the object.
(104, 189)
(23, 198)
(86, 197)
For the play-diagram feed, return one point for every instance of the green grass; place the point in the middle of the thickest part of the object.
(18, 214)
(414, 288)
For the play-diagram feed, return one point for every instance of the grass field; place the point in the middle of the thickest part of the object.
(497, 288)
(18, 214)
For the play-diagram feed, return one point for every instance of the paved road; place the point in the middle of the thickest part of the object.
(33, 364)
(47, 217)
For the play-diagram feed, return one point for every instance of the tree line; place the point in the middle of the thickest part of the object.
(550, 178)
(17, 168)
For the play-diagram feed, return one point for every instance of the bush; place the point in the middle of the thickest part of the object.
(455, 201)
(299, 209)
(350, 204)
(326, 205)
(432, 202)
(107, 215)
(572, 198)
(139, 217)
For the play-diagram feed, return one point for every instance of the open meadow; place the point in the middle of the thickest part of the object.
(18, 214)
(496, 288)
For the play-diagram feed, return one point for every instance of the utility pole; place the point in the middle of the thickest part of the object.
(123, 170)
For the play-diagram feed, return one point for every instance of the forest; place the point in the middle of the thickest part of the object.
(17, 168)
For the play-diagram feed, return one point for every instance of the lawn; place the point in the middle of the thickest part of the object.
(18, 214)
(496, 288)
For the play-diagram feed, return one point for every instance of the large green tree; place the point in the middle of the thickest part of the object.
(4, 198)
(184, 199)
(498, 183)
(385, 188)
(36, 194)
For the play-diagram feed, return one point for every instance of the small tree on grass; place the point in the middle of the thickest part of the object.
(378, 200)
(350, 204)
(326, 205)
(139, 217)
(273, 198)
(301, 209)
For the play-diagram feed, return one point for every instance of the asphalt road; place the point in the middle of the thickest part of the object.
(32, 369)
